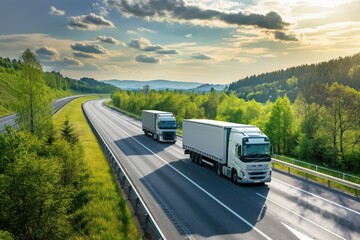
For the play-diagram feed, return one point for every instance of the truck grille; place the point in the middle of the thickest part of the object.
(168, 135)
(257, 175)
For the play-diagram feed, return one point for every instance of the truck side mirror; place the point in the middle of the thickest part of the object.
(271, 149)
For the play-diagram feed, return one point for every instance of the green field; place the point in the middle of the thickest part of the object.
(106, 215)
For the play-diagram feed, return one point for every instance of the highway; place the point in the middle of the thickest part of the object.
(191, 202)
(11, 119)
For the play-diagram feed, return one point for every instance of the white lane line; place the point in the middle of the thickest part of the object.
(298, 234)
(327, 230)
(199, 187)
(324, 199)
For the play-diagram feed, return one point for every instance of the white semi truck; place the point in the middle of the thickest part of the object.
(240, 152)
(160, 125)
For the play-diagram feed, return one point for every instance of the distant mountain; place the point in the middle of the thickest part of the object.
(154, 84)
(207, 87)
(307, 79)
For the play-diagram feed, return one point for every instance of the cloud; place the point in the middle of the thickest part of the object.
(144, 45)
(152, 48)
(83, 55)
(201, 56)
(107, 39)
(171, 10)
(167, 51)
(47, 53)
(140, 30)
(89, 48)
(147, 59)
(89, 22)
(284, 37)
(189, 35)
(69, 61)
(56, 12)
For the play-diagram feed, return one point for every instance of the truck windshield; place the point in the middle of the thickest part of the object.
(256, 152)
(167, 125)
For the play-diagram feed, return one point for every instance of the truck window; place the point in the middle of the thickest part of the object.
(238, 151)
(167, 125)
(257, 150)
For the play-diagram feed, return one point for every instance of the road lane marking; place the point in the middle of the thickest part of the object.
(324, 199)
(298, 234)
(327, 230)
(199, 187)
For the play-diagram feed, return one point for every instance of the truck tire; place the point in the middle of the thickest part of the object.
(146, 132)
(234, 176)
(218, 169)
(192, 157)
(200, 162)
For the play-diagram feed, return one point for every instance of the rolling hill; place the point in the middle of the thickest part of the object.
(307, 79)
(154, 84)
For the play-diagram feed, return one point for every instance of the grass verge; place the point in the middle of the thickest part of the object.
(106, 215)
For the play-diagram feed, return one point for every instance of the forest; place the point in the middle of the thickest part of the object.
(56, 81)
(306, 79)
(327, 134)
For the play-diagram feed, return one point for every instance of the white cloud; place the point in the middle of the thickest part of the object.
(56, 12)
(89, 48)
(201, 56)
(107, 39)
(89, 22)
(147, 59)
(47, 53)
(70, 61)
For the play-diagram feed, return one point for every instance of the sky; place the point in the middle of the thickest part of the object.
(207, 41)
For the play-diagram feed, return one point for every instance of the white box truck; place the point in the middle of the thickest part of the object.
(240, 152)
(160, 125)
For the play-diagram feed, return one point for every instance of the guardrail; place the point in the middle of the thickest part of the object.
(147, 221)
(334, 173)
(308, 172)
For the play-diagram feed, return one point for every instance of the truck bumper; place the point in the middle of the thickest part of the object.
(256, 178)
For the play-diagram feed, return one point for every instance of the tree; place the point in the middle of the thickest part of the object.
(34, 204)
(211, 104)
(280, 126)
(34, 104)
(343, 105)
(68, 133)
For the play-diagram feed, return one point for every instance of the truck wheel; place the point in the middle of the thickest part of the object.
(218, 169)
(192, 157)
(146, 132)
(234, 176)
(200, 162)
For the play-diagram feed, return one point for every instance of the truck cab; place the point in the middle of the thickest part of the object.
(166, 127)
(249, 156)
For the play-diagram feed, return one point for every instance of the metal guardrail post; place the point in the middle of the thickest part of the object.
(146, 223)
(137, 201)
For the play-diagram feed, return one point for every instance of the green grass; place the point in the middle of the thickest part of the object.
(105, 216)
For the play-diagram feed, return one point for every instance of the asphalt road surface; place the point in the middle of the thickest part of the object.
(192, 202)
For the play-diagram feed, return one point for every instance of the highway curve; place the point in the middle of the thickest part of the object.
(190, 201)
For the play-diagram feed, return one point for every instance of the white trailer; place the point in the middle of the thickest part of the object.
(160, 125)
(238, 151)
